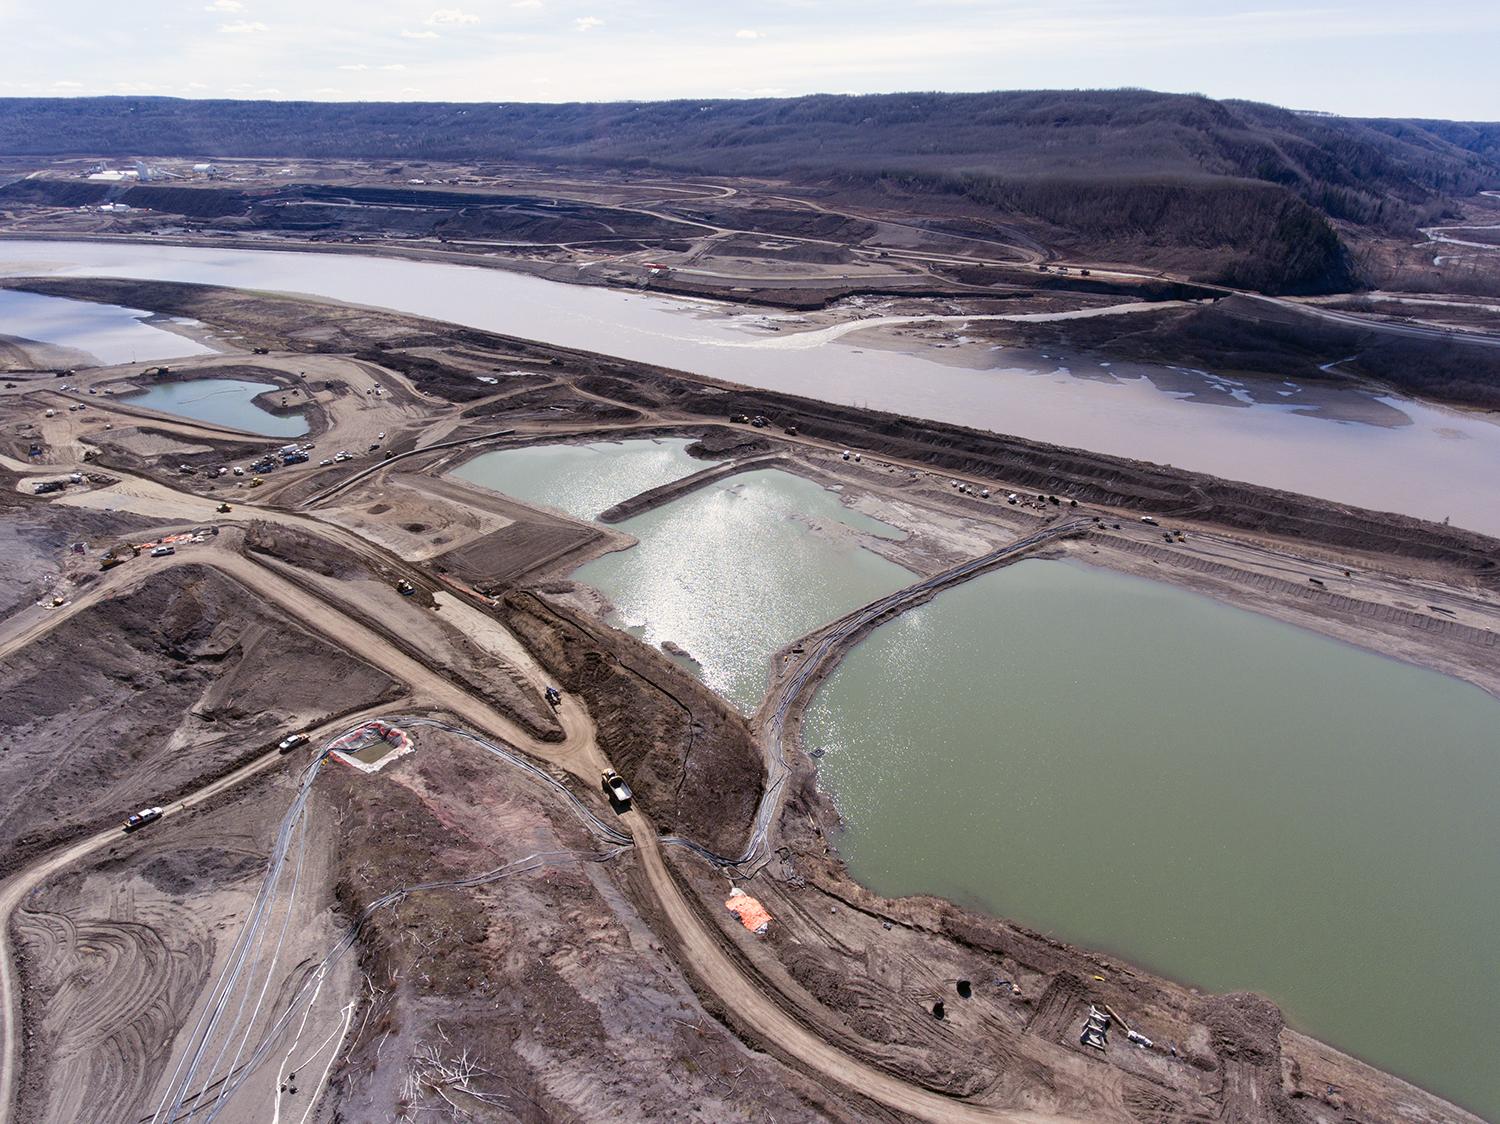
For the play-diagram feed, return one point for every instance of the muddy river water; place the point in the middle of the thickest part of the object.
(109, 333)
(1385, 453)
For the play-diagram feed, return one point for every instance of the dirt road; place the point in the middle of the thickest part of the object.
(14, 891)
(578, 753)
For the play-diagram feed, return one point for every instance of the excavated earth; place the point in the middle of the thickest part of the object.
(558, 992)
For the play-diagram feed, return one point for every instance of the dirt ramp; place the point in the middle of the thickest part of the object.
(692, 764)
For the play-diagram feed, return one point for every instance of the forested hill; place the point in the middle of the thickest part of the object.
(1081, 160)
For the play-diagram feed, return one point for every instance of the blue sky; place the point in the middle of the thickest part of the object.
(1372, 58)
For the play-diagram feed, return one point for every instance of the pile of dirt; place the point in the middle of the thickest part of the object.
(36, 537)
(141, 697)
(553, 403)
(495, 562)
(693, 764)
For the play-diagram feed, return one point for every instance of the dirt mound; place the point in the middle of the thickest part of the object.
(135, 699)
(693, 765)
(1245, 1027)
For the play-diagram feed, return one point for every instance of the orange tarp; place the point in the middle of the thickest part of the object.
(751, 913)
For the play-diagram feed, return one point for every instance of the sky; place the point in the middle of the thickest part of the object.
(1369, 58)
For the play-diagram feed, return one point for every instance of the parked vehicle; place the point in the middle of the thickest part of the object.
(291, 742)
(163, 550)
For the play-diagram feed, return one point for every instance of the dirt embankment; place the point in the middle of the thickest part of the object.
(365, 591)
(36, 539)
(1076, 473)
(154, 693)
(656, 497)
(1071, 473)
(693, 764)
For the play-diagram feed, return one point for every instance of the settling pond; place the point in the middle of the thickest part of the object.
(107, 332)
(1225, 799)
(727, 574)
(582, 480)
(228, 402)
(1383, 452)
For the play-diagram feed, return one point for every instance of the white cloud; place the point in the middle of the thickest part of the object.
(748, 33)
(244, 27)
(588, 23)
(451, 15)
(526, 3)
(66, 85)
(394, 66)
(224, 6)
(408, 34)
(268, 92)
(354, 66)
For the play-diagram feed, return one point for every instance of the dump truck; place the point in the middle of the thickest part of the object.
(615, 787)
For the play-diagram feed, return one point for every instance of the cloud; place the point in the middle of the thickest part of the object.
(66, 85)
(354, 66)
(394, 66)
(451, 15)
(748, 33)
(408, 34)
(588, 23)
(244, 27)
(224, 6)
(526, 3)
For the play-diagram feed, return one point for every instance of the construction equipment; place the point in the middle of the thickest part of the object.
(1096, 1029)
(618, 791)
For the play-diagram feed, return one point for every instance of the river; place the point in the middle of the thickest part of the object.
(1381, 452)
(109, 333)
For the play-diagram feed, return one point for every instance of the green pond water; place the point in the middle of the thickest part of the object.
(221, 402)
(1225, 799)
(734, 571)
(582, 480)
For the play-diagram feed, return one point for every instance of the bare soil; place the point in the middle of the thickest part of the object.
(150, 694)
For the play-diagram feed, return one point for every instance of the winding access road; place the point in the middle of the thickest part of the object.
(701, 950)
